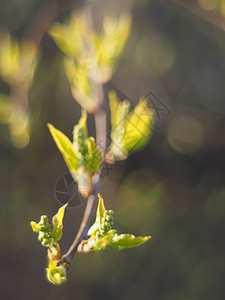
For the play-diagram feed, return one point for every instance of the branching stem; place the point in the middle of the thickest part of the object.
(100, 124)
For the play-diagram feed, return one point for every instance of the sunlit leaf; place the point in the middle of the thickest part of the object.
(99, 215)
(82, 157)
(118, 242)
(35, 226)
(67, 37)
(65, 147)
(111, 43)
(56, 274)
(101, 208)
(119, 114)
(57, 223)
(9, 57)
(102, 235)
(17, 61)
(130, 131)
(138, 127)
(113, 104)
(81, 88)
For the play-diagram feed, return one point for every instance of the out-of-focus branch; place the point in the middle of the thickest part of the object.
(213, 17)
(43, 18)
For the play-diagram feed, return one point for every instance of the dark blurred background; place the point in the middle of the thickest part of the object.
(174, 189)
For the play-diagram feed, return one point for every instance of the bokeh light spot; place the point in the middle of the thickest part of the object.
(185, 134)
(155, 52)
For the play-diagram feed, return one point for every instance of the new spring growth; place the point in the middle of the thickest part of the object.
(81, 156)
(130, 131)
(17, 67)
(49, 236)
(102, 235)
(17, 120)
(17, 61)
(90, 57)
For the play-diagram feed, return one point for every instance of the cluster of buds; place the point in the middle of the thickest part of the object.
(44, 230)
(102, 235)
(106, 223)
(44, 235)
(49, 236)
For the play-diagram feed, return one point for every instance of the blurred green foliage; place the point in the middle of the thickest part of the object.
(90, 57)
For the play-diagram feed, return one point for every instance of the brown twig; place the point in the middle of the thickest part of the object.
(43, 18)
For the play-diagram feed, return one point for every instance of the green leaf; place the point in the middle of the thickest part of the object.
(99, 215)
(82, 157)
(57, 223)
(65, 147)
(78, 75)
(67, 37)
(17, 61)
(113, 104)
(101, 209)
(119, 114)
(102, 235)
(118, 242)
(35, 226)
(113, 39)
(56, 274)
(9, 57)
(138, 127)
(130, 131)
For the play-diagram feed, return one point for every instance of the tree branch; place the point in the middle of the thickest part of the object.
(100, 122)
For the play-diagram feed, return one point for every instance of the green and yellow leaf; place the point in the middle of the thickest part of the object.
(65, 147)
(56, 274)
(118, 242)
(102, 235)
(57, 224)
(138, 127)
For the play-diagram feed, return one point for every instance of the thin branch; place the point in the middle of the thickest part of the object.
(43, 18)
(100, 121)
(82, 233)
